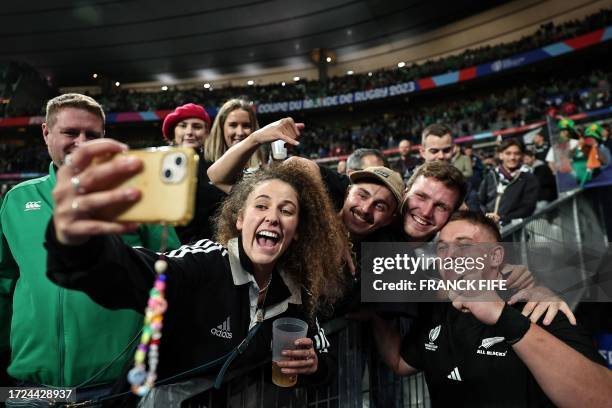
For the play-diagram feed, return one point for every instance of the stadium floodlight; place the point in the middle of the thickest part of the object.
(207, 85)
(401, 64)
(250, 82)
(296, 78)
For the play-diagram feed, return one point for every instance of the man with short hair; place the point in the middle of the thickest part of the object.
(363, 158)
(465, 347)
(406, 163)
(509, 191)
(59, 337)
(434, 191)
(436, 143)
(540, 147)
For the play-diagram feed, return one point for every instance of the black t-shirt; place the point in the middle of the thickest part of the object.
(466, 363)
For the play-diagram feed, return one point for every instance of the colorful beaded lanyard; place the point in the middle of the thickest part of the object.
(141, 380)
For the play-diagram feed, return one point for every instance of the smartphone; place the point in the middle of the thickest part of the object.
(167, 184)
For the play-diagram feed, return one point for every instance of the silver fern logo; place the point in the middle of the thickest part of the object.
(491, 341)
(433, 335)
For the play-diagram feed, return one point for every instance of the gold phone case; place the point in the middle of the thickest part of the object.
(167, 183)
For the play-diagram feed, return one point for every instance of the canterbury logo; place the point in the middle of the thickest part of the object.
(454, 375)
(223, 330)
(32, 205)
(491, 341)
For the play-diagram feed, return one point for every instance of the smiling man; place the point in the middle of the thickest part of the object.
(433, 192)
(437, 143)
(509, 191)
(59, 337)
(372, 201)
(465, 347)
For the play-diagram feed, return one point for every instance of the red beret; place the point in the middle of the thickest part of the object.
(187, 111)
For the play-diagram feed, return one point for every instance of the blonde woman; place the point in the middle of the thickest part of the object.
(235, 121)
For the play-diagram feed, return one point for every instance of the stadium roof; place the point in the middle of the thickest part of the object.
(159, 40)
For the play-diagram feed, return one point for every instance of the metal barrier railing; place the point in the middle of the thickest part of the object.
(361, 379)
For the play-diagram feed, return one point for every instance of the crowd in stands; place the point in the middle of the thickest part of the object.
(546, 34)
(512, 107)
(507, 108)
(126, 100)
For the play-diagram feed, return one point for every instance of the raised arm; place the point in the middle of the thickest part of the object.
(84, 252)
(225, 171)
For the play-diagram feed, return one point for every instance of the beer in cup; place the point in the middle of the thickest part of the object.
(285, 331)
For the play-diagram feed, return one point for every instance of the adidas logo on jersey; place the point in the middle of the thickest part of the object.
(32, 205)
(223, 330)
(454, 375)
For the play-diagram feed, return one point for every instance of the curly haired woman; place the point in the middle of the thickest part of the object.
(276, 257)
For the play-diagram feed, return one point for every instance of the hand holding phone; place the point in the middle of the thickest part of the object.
(167, 183)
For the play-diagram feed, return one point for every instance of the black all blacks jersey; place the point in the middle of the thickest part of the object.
(466, 363)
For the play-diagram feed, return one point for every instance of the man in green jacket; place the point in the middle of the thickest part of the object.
(59, 337)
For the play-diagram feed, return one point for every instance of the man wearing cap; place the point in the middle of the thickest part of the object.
(595, 136)
(371, 201)
(188, 126)
(59, 337)
(568, 140)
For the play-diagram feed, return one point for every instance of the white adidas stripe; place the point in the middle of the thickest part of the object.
(182, 251)
(321, 342)
(454, 375)
(196, 247)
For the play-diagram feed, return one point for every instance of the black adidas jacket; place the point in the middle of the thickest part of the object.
(207, 289)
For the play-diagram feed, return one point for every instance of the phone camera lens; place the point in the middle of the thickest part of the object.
(178, 161)
(168, 173)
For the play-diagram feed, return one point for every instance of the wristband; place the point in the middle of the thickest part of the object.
(512, 325)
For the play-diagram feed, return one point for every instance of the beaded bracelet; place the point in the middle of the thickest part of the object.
(141, 380)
